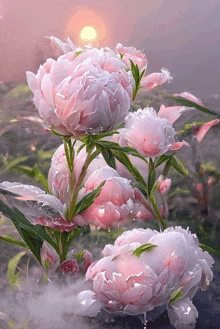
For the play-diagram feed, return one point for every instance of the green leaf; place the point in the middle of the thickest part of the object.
(126, 149)
(187, 102)
(108, 156)
(157, 212)
(79, 255)
(10, 239)
(179, 166)
(161, 159)
(151, 176)
(34, 173)
(144, 248)
(124, 159)
(103, 135)
(209, 249)
(167, 168)
(12, 265)
(88, 199)
(12, 164)
(179, 191)
(176, 295)
(33, 235)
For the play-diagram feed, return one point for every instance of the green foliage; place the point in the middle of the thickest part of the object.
(151, 176)
(12, 164)
(144, 248)
(10, 239)
(186, 102)
(175, 296)
(33, 235)
(12, 265)
(88, 199)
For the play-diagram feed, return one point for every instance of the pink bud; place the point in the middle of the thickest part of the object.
(164, 185)
(70, 266)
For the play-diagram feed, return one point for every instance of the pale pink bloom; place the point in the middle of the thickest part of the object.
(137, 57)
(171, 113)
(164, 185)
(183, 314)
(59, 176)
(90, 93)
(70, 266)
(39, 207)
(190, 97)
(205, 128)
(125, 283)
(114, 204)
(148, 133)
(151, 81)
(65, 47)
(49, 257)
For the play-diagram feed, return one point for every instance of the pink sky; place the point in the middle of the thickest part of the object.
(25, 23)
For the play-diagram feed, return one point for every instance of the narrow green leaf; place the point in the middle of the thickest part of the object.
(124, 159)
(151, 176)
(103, 135)
(187, 102)
(209, 249)
(10, 239)
(167, 168)
(161, 159)
(176, 295)
(144, 248)
(179, 191)
(126, 149)
(79, 255)
(12, 265)
(88, 199)
(179, 166)
(108, 156)
(157, 212)
(12, 164)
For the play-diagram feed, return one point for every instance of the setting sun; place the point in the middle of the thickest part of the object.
(86, 27)
(88, 33)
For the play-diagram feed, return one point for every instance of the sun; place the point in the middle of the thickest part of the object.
(88, 33)
(86, 27)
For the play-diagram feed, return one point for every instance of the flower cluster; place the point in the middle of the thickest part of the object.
(145, 270)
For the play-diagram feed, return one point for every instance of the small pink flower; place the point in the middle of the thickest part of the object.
(70, 266)
(137, 57)
(148, 133)
(151, 81)
(49, 257)
(190, 97)
(87, 258)
(164, 185)
(114, 204)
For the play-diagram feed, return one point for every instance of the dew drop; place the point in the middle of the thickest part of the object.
(145, 321)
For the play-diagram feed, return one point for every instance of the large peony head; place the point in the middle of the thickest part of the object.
(88, 93)
(126, 283)
(148, 133)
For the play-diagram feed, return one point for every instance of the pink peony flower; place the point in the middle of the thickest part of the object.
(135, 55)
(88, 93)
(59, 174)
(114, 204)
(38, 207)
(125, 283)
(151, 81)
(148, 133)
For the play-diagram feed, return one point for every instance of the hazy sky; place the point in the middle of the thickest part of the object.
(154, 24)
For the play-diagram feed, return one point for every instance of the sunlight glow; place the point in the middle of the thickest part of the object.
(88, 33)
